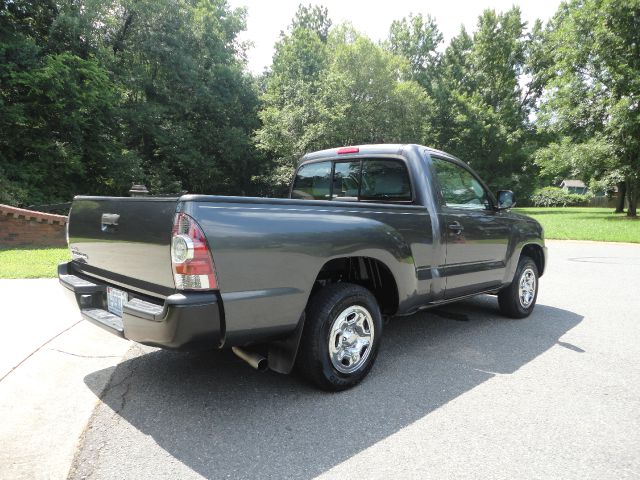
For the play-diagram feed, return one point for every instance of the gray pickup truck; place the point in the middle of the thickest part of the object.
(368, 232)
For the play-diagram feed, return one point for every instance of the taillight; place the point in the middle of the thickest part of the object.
(193, 267)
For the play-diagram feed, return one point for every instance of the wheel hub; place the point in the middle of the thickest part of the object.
(351, 338)
(527, 288)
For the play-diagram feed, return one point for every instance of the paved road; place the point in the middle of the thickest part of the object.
(460, 394)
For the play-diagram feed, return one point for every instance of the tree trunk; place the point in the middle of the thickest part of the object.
(632, 193)
(622, 193)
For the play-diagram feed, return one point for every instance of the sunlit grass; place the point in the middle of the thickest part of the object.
(579, 223)
(31, 263)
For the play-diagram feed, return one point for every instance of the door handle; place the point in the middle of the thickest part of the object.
(456, 228)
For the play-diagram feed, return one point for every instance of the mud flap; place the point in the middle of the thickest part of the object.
(282, 353)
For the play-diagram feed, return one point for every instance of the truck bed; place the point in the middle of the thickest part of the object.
(267, 252)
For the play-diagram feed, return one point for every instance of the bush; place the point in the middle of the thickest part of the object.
(557, 197)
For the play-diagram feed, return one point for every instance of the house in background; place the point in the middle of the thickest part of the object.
(573, 186)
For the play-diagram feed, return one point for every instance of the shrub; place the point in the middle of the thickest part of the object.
(557, 197)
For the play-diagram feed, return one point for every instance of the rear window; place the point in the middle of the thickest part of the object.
(367, 179)
(385, 180)
(346, 181)
(312, 182)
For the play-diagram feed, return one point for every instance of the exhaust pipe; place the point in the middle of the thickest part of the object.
(256, 360)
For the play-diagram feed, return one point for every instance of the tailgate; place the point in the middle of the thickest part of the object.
(124, 240)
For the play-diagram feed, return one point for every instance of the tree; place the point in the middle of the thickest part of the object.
(482, 100)
(188, 110)
(95, 95)
(314, 18)
(291, 113)
(417, 39)
(592, 92)
(370, 93)
(56, 130)
(336, 90)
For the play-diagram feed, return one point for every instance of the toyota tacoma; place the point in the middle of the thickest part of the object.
(367, 232)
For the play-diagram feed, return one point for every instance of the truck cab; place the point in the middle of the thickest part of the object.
(474, 229)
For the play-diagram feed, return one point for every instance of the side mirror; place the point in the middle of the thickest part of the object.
(506, 199)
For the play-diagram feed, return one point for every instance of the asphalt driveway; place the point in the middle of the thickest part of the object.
(458, 393)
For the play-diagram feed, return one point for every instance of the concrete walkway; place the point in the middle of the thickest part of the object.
(45, 353)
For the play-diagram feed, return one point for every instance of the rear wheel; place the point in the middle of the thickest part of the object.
(518, 299)
(341, 336)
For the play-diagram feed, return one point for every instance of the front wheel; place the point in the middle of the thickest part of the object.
(518, 299)
(341, 336)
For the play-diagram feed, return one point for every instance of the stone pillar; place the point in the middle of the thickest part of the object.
(138, 191)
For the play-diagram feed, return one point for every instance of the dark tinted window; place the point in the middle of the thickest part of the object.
(459, 187)
(312, 182)
(346, 178)
(385, 180)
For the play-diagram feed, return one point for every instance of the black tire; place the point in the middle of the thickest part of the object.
(314, 361)
(509, 300)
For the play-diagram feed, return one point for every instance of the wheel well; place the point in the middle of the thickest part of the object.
(535, 252)
(365, 271)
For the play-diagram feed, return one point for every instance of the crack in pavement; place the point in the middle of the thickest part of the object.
(108, 389)
(38, 349)
(125, 379)
(83, 356)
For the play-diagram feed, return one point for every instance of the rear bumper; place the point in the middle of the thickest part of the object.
(184, 321)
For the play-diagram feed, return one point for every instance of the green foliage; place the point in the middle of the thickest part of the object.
(188, 110)
(339, 90)
(557, 197)
(590, 159)
(313, 18)
(417, 39)
(592, 82)
(95, 96)
(484, 101)
(56, 124)
(292, 114)
(371, 104)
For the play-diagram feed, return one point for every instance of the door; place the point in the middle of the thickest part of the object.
(475, 233)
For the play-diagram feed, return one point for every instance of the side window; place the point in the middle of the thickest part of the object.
(459, 187)
(385, 180)
(346, 180)
(312, 182)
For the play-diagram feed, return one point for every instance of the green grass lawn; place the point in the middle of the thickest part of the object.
(578, 223)
(31, 263)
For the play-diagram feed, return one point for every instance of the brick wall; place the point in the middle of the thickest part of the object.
(27, 228)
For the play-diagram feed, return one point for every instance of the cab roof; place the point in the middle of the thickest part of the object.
(373, 149)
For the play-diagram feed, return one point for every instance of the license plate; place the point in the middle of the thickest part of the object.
(115, 300)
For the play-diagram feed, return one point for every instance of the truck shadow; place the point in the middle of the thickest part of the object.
(220, 418)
